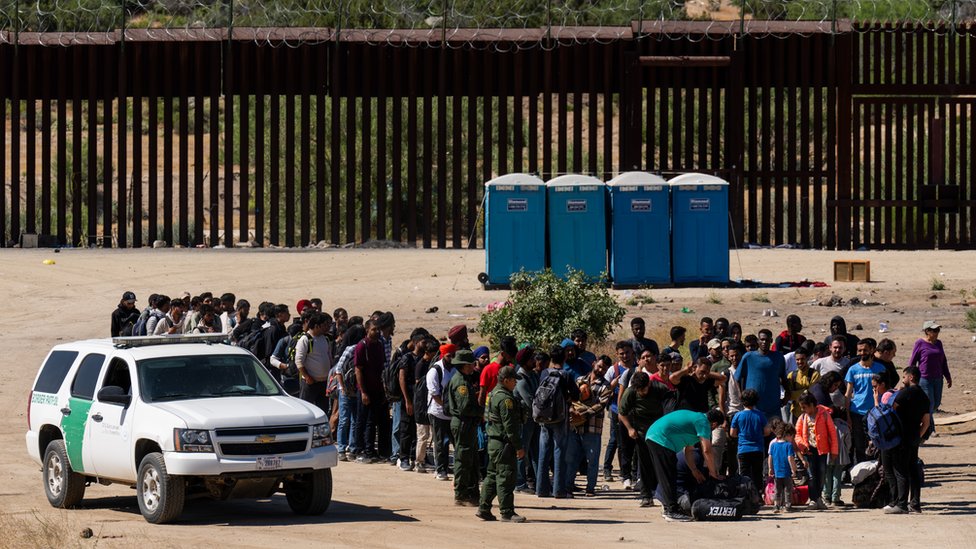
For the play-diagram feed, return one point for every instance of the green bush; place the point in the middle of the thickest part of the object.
(544, 308)
(971, 320)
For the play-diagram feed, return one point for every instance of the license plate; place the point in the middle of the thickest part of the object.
(268, 463)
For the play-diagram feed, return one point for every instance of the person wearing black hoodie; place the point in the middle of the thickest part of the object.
(125, 316)
(838, 326)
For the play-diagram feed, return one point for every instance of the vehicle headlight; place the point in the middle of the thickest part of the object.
(321, 435)
(192, 440)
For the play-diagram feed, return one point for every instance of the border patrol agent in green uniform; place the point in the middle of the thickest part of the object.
(504, 448)
(466, 412)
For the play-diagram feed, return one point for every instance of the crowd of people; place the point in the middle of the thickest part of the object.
(522, 419)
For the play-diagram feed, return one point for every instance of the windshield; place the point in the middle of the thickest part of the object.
(208, 376)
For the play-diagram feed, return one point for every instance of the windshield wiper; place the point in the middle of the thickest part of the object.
(237, 392)
(173, 396)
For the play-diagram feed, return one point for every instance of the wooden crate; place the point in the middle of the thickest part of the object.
(852, 270)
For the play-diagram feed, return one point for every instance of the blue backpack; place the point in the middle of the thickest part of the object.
(884, 426)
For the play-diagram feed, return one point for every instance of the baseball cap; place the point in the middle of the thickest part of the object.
(715, 343)
(931, 325)
(462, 357)
(128, 296)
(567, 343)
(675, 357)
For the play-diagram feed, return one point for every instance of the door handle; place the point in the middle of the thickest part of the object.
(65, 411)
(97, 418)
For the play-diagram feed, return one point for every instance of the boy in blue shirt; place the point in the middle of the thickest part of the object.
(784, 467)
(751, 428)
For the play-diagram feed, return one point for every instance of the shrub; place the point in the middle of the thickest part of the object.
(971, 320)
(713, 299)
(544, 308)
(938, 285)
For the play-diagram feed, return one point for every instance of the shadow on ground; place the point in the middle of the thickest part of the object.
(273, 511)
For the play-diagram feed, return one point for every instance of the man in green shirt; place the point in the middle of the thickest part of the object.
(504, 448)
(640, 406)
(676, 432)
(466, 413)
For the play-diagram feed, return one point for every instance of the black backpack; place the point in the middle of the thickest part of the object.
(292, 369)
(421, 397)
(549, 404)
(348, 370)
(254, 342)
(391, 380)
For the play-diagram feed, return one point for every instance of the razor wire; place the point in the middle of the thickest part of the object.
(512, 24)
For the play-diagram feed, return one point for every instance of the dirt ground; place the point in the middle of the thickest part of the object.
(375, 505)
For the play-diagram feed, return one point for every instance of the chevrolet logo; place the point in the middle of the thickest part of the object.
(264, 439)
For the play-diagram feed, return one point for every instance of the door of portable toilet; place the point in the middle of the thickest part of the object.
(640, 241)
(515, 227)
(577, 225)
(699, 229)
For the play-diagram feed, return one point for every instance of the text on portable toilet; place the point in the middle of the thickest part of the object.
(699, 204)
(640, 204)
(518, 205)
(573, 206)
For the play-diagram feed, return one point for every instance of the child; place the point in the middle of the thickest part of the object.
(751, 428)
(835, 467)
(784, 468)
(816, 438)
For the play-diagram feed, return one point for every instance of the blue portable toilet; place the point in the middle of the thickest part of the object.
(699, 229)
(577, 225)
(515, 227)
(640, 243)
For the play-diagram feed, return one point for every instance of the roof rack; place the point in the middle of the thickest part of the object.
(147, 341)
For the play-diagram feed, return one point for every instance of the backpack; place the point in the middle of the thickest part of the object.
(139, 329)
(391, 380)
(421, 398)
(348, 370)
(254, 342)
(292, 369)
(884, 427)
(549, 403)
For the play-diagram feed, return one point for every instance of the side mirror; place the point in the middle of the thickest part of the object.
(114, 395)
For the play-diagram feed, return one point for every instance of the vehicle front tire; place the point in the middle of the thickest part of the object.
(310, 494)
(63, 486)
(160, 494)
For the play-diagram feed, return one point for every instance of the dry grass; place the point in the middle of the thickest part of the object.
(37, 530)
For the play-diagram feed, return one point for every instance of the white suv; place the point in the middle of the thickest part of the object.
(174, 417)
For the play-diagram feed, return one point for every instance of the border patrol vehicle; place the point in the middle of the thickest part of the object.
(175, 417)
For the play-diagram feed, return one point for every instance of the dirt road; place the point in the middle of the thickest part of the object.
(376, 505)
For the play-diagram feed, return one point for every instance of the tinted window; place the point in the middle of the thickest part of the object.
(212, 376)
(87, 376)
(54, 371)
(118, 375)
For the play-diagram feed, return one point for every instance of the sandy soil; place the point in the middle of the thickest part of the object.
(377, 506)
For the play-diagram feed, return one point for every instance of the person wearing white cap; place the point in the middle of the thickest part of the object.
(930, 358)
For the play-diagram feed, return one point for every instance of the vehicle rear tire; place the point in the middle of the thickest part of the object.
(160, 494)
(310, 494)
(63, 486)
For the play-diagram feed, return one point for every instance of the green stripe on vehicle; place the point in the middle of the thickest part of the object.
(73, 427)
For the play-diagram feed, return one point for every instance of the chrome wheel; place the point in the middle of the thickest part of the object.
(55, 474)
(150, 489)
